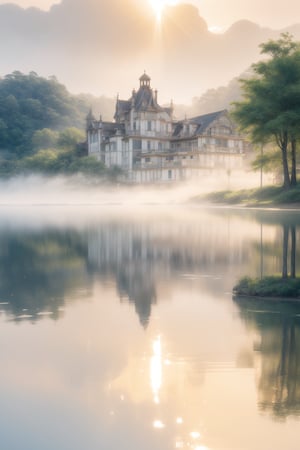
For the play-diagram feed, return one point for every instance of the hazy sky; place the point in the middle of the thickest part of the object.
(221, 14)
(103, 46)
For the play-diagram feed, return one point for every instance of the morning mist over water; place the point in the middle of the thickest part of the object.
(79, 190)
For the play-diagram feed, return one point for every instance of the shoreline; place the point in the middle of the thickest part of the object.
(267, 299)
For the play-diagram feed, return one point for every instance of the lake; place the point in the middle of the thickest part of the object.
(119, 330)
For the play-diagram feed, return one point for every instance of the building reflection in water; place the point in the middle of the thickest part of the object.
(135, 284)
(42, 267)
(139, 257)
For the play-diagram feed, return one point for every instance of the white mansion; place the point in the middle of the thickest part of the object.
(151, 146)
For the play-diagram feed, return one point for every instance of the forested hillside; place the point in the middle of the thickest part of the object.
(29, 103)
(42, 127)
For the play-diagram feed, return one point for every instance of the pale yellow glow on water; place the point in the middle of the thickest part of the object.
(156, 369)
(195, 435)
(158, 424)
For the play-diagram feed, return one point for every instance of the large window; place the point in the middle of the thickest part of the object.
(137, 144)
(221, 142)
(94, 138)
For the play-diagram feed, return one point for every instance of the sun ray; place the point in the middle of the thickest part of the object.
(159, 5)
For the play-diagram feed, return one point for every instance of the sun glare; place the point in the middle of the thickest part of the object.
(159, 5)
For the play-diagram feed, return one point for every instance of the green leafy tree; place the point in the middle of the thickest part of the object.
(70, 138)
(270, 109)
(29, 103)
(45, 138)
(44, 161)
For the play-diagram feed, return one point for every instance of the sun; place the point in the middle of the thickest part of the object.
(159, 5)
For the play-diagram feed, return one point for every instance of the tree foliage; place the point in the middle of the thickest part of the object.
(42, 129)
(270, 109)
(29, 103)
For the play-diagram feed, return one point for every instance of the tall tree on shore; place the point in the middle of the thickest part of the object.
(270, 109)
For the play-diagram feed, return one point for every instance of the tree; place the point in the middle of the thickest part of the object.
(29, 103)
(43, 139)
(70, 138)
(270, 109)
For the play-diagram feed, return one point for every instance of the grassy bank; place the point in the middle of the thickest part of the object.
(268, 287)
(266, 196)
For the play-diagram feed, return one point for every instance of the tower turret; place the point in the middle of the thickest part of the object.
(145, 80)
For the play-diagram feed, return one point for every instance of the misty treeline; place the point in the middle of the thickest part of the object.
(42, 127)
(270, 109)
(214, 99)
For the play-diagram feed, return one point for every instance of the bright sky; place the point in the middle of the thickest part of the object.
(221, 14)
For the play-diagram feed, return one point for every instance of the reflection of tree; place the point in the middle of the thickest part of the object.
(279, 377)
(280, 254)
(276, 322)
(37, 271)
(293, 251)
(285, 250)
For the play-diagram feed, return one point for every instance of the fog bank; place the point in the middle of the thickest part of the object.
(64, 191)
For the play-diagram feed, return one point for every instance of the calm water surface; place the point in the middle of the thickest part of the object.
(119, 331)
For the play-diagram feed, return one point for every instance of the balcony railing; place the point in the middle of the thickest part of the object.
(207, 150)
(157, 165)
(149, 134)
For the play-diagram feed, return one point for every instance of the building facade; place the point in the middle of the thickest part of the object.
(150, 146)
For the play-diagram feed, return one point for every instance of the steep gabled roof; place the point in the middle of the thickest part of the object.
(205, 120)
(122, 107)
(201, 123)
(144, 100)
(110, 129)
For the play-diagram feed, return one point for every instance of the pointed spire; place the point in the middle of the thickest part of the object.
(90, 118)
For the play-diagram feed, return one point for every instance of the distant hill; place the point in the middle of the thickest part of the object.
(102, 47)
(213, 99)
